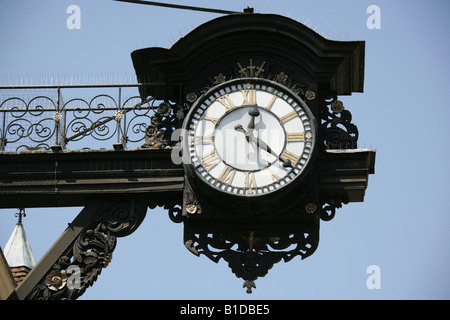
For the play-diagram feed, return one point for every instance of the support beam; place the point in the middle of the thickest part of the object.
(7, 282)
(78, 177)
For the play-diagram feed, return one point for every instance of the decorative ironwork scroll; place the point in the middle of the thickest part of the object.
(257, 67)
(251, 246)
(79, 267)
(328, 209)
(168, 117)
(252, 254)
(32, 122)
(337, 129)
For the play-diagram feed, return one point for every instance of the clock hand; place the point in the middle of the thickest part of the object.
(239, 128)
(254, 112)
(262, 145)
(248, 134)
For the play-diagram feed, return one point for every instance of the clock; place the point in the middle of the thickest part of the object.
(248, 138)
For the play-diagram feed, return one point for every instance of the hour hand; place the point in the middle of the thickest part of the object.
(248, 134)
(239, 127)
(254, 112)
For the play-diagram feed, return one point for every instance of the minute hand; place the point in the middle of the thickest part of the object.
(262, 145)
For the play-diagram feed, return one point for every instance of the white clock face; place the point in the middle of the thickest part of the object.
(250, 138)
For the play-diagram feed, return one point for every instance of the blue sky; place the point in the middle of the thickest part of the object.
(403, 224)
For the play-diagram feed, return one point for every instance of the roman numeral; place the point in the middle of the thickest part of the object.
(226, 101)
(250, 181)
(214, 120)
(210, 160)
(289, 116)
(287, 155)
(249, 97)
(274, 176)
(203, 139)
(227, 175)
(295, 137)
(271, 102)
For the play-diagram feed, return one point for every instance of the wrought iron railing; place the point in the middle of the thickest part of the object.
(79, 117)
(74, 116)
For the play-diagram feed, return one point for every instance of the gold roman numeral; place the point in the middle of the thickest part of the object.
(226, 101)
(210, 160)
(295, 137)
(249, 96)
(203, 139)
(214, 120)
(274, 176)
(227, 175)
(287, 155)
(250, 181)
(271, 102)
(289, 116)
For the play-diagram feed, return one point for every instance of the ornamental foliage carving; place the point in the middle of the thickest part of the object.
(81, 264)
(163, 123)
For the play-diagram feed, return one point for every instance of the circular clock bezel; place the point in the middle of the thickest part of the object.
(298, 170)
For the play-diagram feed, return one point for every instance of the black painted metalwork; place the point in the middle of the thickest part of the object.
(33, 121)
(336, 129)
(79, 266)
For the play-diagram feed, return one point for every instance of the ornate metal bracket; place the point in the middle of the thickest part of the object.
(91, 251)
(328, 209)
(250, 245)
(336, 129)
(252, 254)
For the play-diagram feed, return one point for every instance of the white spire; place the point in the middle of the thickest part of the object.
(17, 250)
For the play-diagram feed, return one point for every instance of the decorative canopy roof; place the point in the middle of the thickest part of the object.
(335, 65)
(18, 251)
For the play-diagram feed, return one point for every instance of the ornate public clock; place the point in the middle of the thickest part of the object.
(248, 139)
(264, 160)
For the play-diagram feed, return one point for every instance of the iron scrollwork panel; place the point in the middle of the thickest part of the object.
(252, 254)
(103, 118)
(337, 130)
(328, 209)
(30, 121)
